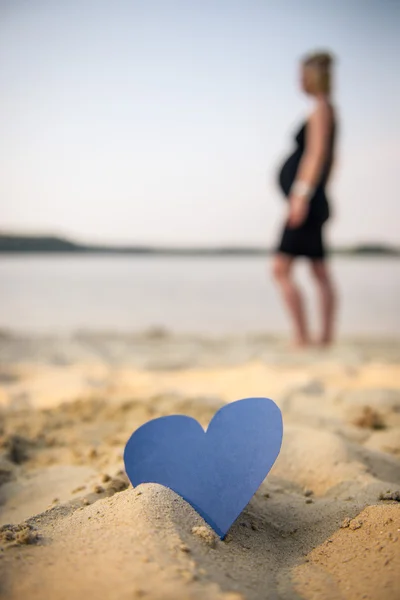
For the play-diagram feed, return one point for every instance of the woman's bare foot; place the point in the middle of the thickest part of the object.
(300, 344)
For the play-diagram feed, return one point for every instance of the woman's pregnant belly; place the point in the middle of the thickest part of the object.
(319, 207)
(288, 172)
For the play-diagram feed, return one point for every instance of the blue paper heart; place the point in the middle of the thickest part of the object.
(217, 471)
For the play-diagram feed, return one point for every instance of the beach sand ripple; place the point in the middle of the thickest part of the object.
(324, 525)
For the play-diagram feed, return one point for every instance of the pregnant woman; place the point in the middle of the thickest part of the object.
(302, 179)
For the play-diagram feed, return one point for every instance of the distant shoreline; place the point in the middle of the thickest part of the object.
(26, 244)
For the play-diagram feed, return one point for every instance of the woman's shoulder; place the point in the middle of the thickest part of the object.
(323, 109)
(322, 116)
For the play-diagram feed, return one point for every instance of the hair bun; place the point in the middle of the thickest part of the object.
(323, 59)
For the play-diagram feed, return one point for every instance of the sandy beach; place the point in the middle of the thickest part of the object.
(324, 525)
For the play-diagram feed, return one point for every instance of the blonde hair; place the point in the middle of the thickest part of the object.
(321, 64)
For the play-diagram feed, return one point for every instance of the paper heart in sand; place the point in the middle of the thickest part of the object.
(217, 471)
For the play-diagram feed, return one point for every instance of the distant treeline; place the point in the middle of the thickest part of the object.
(51, 244)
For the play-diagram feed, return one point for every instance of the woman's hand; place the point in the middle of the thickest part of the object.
(298, 211)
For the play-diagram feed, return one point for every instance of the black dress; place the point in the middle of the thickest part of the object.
(306, 240)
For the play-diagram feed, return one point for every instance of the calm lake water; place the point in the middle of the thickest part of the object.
(62, 294)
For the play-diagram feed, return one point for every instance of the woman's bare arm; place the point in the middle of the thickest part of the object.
(313, 160)
(317, 145)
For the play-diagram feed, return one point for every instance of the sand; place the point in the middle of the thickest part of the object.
(325, 524)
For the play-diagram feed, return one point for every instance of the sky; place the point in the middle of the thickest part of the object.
(166, 121)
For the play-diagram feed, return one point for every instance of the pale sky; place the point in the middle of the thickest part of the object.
(165, 121)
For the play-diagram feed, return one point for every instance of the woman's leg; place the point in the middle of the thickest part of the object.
(282, 271)
(327, 295)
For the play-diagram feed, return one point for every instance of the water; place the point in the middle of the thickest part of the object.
(61, 294)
